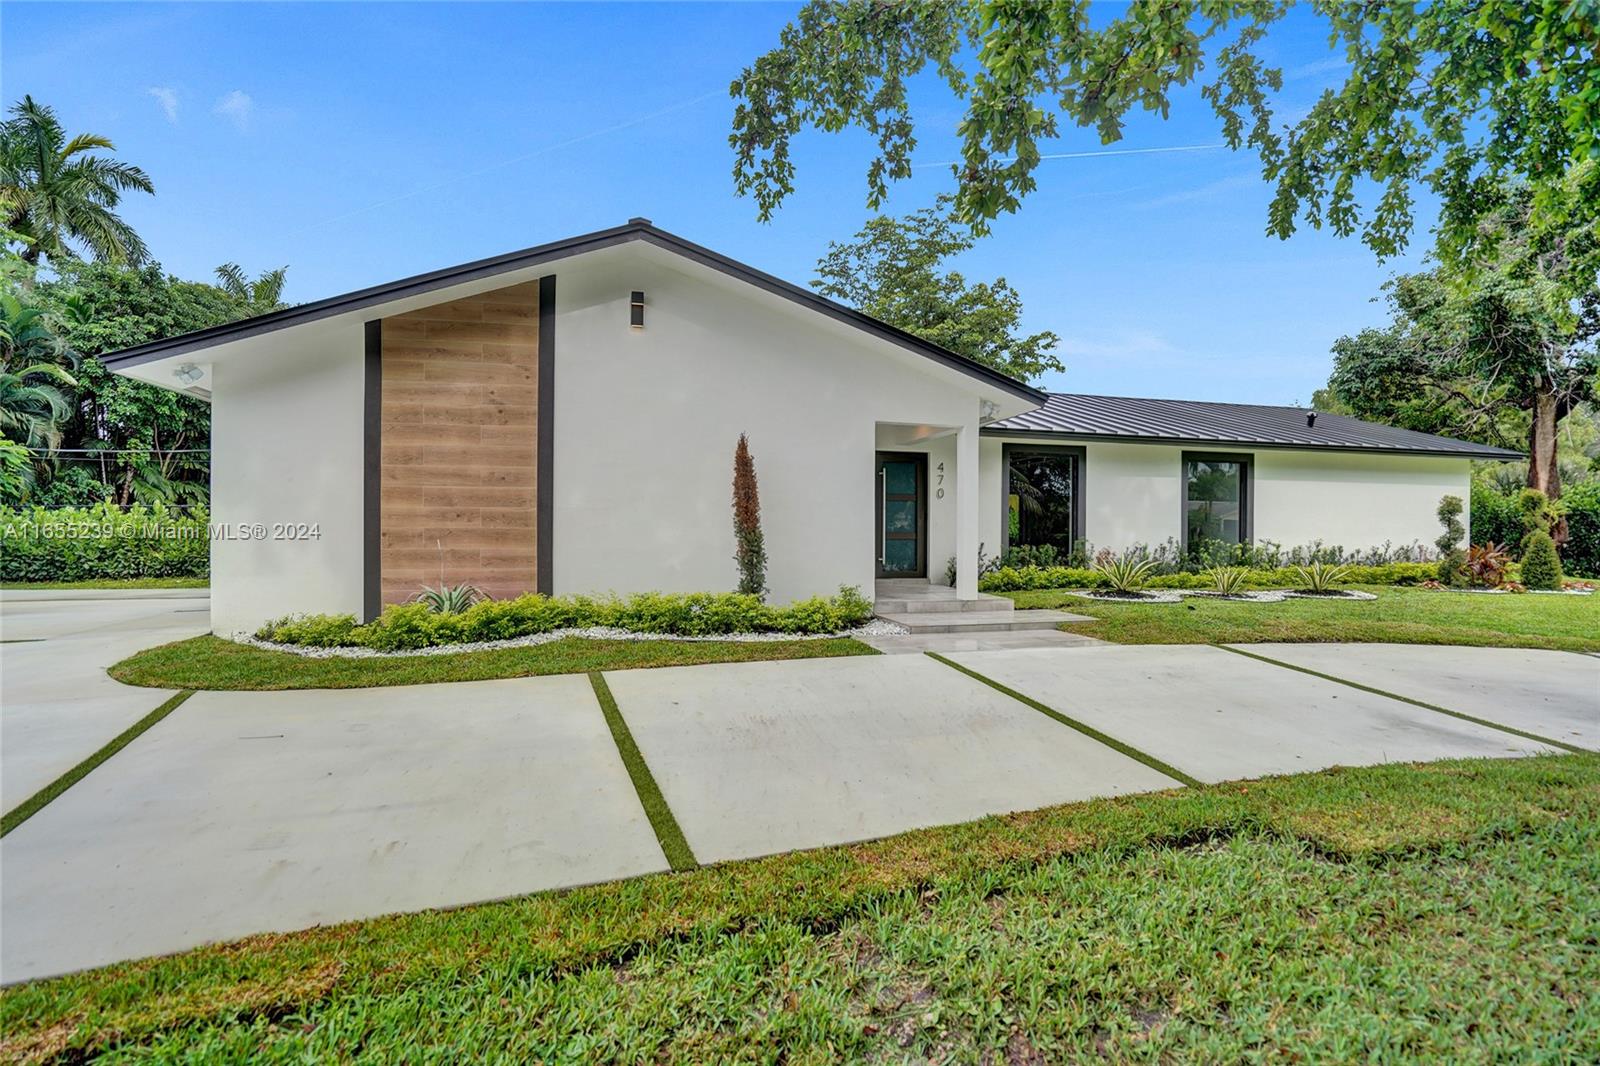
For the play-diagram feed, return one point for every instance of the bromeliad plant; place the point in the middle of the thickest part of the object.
(1127, 573)
(1487, 564)
(1322, 578)
(449, 599)
(1228, 580)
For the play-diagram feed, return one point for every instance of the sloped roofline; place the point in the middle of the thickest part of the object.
(1148, 420)
(636, 229)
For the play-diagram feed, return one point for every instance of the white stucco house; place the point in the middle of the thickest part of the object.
(562, 419)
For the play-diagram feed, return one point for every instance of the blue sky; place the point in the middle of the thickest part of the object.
(361, 143)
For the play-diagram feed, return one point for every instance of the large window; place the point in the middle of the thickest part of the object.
(1043, 507)
(1216, 504)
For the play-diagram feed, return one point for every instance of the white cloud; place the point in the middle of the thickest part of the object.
(1116, 345)
(236, 107)
(1204, 192)
(1317, 67)
(168, 99)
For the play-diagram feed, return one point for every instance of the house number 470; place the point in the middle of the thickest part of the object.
(938, 493)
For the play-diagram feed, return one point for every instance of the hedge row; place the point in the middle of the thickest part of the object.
(1016, 579)
(103, 541)
(1497, 517)
(700, 614)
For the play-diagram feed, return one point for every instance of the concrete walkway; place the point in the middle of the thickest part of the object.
(263, 811)
(253, 812)
(57, 706)
(1536, 691)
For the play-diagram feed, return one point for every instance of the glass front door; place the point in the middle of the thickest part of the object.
(902, 516)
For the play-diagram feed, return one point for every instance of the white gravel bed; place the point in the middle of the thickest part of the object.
(1253, 596)
(875, 628)
(1524, 592)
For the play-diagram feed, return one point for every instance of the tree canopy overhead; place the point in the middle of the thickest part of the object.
(891, 270)
(1460, 96)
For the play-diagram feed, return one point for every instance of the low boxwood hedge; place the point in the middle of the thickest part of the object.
(701, 614)
(103, 541)
(1025, 578)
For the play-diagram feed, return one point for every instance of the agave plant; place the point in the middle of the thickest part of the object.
(1126, 573)
(1322, 577)
(1228, 580)
(449, 599)
(1487, 563)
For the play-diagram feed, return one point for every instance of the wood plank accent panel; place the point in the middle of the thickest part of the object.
(460, 431)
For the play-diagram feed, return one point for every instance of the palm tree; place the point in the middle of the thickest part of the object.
(258, 297)
(32, 406)
(54, 194)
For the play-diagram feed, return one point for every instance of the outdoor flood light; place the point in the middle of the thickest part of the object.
(636, 310)
(188, 373)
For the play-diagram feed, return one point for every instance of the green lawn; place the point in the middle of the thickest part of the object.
(213, 663)
(1398, 616)
(1444, 912)
(115, 583)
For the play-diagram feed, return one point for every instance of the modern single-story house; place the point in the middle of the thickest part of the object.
(563, 419)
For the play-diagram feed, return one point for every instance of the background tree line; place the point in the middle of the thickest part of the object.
(76, 281)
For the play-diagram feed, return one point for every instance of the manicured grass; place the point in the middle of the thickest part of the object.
(1443, 911)
(37, 802)
(1397, 616)
(213, 663)
(114, 583)
(665, 824)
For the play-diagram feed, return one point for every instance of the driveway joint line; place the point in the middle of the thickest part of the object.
(1523, 733)
(1067, 720)
(674, 846)
(42, 798)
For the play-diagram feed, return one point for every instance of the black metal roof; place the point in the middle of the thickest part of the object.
(1125, 418)
(636, 229)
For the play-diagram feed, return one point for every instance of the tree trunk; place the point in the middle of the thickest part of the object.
(1543, 473)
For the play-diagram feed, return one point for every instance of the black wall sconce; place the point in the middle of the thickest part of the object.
(636, 310)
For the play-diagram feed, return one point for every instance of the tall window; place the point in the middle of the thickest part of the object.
(1216, 500)
(1041, 498)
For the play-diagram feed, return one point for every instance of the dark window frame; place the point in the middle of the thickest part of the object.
(1247, 491)
(1080, 462)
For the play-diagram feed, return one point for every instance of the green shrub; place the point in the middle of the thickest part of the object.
(103, 541)
(1022, 578)
(409, 626)
(1541, 566)
(1580, 555)
(1452, 568)
(1062, 577)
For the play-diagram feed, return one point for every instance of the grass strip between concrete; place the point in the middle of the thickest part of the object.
(1082, 727)
(673, 844)
(1523, 733)
(40, 799)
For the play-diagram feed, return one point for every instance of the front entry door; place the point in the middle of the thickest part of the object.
(902, 515)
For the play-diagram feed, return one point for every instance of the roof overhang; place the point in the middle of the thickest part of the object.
(1042, 435)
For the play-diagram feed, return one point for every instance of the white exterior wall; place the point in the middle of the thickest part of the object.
(1355, 501)
(286, 447)
(646, 422)
(1132, 495)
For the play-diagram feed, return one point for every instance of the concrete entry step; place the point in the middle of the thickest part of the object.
(916, 596)
(981, 621)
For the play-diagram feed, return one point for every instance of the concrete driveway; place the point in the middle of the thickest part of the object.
(57, 706)
(250, 812)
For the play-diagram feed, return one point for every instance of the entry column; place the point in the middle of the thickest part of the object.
(967, 509)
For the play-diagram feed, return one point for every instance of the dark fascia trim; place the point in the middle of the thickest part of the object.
(546, 253)
(544, 502)
(1080, 459)
(1247, 491)
(1476, 452)
(372, 473)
